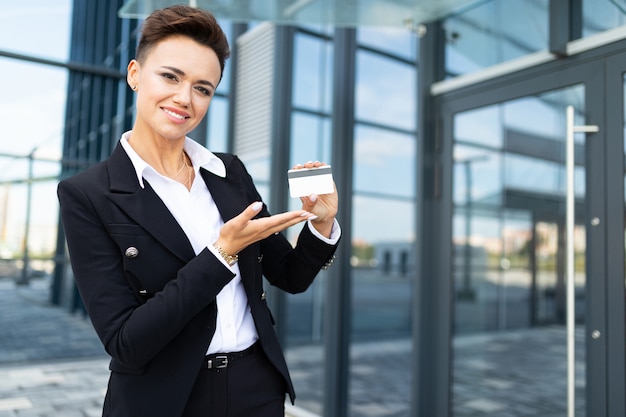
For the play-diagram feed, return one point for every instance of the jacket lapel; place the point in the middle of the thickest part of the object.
(144, 206)
(229, 199)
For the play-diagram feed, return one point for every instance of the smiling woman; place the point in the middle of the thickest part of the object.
(183, 241)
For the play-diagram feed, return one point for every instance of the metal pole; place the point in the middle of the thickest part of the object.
(570, 264)
(25, 277)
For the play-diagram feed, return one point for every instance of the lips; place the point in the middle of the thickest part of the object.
(176, 115)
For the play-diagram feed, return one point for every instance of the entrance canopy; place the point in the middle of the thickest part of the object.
(343, 13)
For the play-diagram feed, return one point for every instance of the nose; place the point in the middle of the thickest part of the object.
(183, 95)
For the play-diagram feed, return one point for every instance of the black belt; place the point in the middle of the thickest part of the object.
(223, 360)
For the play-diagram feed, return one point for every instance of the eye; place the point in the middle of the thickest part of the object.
(169, 76)
(205, 91)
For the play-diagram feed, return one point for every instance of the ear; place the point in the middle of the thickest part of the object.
(132, 73)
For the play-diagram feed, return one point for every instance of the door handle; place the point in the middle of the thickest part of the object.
(569, 255)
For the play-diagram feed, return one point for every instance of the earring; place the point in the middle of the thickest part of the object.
(134, 88)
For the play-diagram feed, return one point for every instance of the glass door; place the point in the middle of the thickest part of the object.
(509, 212)
(512, 351)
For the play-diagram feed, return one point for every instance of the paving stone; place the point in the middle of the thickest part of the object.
(52, 364)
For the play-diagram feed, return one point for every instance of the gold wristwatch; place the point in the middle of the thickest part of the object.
(230, 259)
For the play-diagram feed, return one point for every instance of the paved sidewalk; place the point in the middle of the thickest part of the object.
(51, 362)
(52, 365)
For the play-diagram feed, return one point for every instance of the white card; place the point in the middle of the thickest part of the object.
(306, 181)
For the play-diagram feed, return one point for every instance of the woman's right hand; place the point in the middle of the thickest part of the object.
(243, 230)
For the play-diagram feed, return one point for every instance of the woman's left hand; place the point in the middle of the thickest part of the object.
(324, 206)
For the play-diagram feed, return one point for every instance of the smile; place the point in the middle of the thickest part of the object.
(176, 115)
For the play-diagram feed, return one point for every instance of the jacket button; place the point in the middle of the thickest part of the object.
(263, 295)
(131, 252)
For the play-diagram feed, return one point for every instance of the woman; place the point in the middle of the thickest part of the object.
(169, 242)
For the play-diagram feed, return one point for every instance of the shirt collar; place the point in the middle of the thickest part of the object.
(199, 155)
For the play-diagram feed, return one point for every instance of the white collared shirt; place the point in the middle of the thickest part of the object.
(198, 216)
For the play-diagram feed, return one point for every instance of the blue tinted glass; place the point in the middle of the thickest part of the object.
(385, 91)
(312, 73)
(401, 42)
(493, 32)
(477, 175)
(310, 138)
(480, 126)
(217, 119)
(378, 221)
(38, 27)
(35, 107)
(224, 86)
(601, 15)
(384, 162)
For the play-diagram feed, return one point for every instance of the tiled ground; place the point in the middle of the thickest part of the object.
(51, 364)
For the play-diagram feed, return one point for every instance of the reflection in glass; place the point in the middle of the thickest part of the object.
(312, 73)
(38, 27)
(385, 91)
(36, 111)
(386, 162)
(394, 40)
(509, 259)
(310, 138)
(601, 15)
(493, 32)
(218, 112)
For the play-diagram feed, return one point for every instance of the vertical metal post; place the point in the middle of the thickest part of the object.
(25, 276)
(569, 253)
(337, 301)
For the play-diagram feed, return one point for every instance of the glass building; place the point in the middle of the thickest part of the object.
(478, 147)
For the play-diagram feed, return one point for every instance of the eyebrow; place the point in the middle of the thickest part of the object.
(181, 73)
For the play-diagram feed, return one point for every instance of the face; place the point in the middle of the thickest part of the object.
(175, 84)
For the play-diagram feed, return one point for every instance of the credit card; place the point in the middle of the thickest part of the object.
(306, 181)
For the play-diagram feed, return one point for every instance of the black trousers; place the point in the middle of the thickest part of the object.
(248, 387)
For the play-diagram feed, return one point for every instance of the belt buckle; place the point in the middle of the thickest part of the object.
(220, 362)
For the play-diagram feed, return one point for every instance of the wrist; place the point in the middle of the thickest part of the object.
(324, 227)
(230, 259)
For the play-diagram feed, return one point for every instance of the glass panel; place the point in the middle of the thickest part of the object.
(509, 259)
(310, 138)
(217, 129)
(381, 80)
(383, 270)
(397, 41)
(397, 13)
(37, 27)
(312, 70)
(22, 103)
(601, 15)
(493, 32)
(386, 162)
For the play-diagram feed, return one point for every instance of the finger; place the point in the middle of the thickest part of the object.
(308, 202)
(250, 211)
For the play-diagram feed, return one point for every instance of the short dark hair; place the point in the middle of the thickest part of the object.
(197, 24)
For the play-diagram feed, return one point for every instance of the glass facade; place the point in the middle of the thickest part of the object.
(500, 171)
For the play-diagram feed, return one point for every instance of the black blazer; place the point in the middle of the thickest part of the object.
(155, 311)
